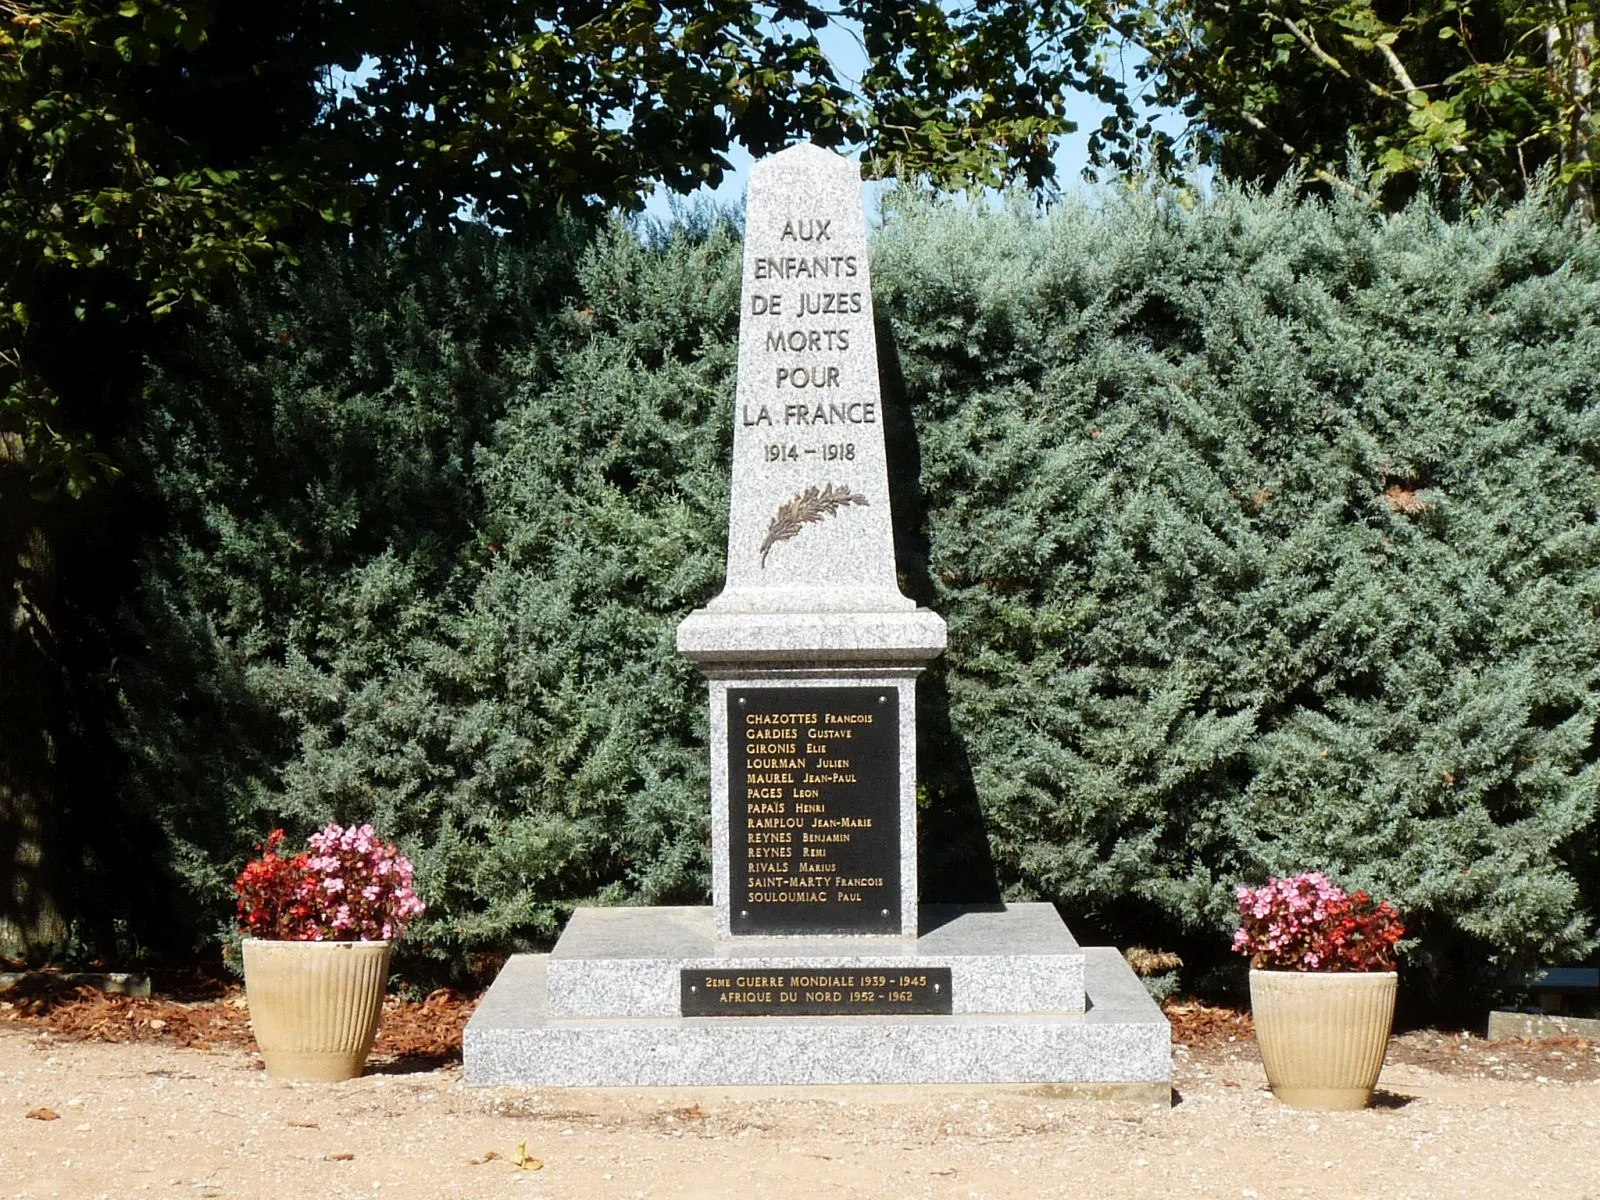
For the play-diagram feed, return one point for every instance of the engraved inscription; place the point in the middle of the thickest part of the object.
(816, 992)
(814, 786)
(808, 411)
(806, 300)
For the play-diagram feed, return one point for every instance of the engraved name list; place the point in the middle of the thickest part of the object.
(813, 789)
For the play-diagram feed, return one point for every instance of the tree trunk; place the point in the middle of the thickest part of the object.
(30, 711)
(1570, 44)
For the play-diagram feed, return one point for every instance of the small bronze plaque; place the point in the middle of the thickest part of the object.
(817, 992)
(814, 810)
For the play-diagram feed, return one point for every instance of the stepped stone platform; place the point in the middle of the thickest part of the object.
(1026, 1005)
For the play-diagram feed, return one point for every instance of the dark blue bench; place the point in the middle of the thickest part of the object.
(1558, 987)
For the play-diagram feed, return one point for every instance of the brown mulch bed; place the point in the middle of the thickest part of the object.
(1563, 1059)
(1207, 1027)
(425, 1032)
(1212, 1033)
(419, 1033)
(202, 1013)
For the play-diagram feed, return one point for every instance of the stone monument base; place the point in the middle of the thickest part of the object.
(1022, 1004)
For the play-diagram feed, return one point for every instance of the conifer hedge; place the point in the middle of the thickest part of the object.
(1266, 531)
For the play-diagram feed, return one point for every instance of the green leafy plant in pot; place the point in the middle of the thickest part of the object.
(1322, 987)
(319, 927)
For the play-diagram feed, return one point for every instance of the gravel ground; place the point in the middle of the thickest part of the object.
(1454, 1118)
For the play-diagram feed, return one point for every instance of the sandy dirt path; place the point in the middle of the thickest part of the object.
(148, 1119)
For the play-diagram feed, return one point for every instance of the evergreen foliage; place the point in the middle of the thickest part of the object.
(425, 567)
(1266, 531)
(1267, 535)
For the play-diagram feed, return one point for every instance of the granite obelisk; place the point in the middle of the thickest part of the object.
(811, 650)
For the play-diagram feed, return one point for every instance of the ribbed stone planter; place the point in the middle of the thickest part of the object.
(1322, 1034)
(314, 1006)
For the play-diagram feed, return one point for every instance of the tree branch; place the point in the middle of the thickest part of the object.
(1304, 160)
(1309, 41)
(1395, 65)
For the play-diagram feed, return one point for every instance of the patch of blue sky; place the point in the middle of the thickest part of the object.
(847, 55)
(843, 46)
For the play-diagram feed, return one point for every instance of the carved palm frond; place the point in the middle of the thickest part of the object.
(805, 509)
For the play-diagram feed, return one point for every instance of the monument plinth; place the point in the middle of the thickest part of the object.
(814, 962)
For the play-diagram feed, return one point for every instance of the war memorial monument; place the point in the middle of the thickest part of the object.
(815, 963)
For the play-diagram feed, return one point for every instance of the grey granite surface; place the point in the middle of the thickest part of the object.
(1122, 1039)
(808, 417)
(625, 962)
(1505, 1024)
(811, 567)
(812, 600)
(811, 597)
(814, 638)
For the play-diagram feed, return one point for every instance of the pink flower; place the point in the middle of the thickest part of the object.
(349, 884)
(1307, 922)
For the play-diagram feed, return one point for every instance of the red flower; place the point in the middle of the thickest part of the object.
(275, 895)
(1308, 923)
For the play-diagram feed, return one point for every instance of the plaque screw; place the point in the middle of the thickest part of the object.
(936, 987)
(886, 912)
(741, 701)
(744, 914)
(883, 699)
(695, 987)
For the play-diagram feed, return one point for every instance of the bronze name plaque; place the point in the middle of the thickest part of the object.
(814, 810)
(817, 992)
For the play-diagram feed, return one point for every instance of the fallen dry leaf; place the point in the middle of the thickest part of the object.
(340, 1157)
(304, 1125)
(43, 1114)
(488, 1156)
(1200, 1026)
(524, 1161)
(1404, 500)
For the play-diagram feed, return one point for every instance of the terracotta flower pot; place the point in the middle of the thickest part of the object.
(1323, 1033)
(314, 1005)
